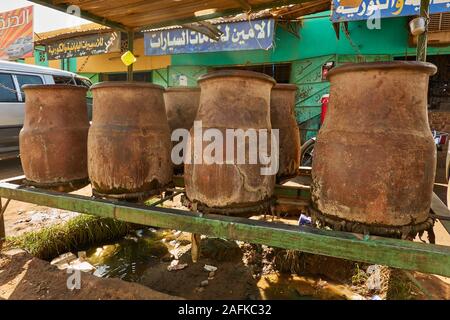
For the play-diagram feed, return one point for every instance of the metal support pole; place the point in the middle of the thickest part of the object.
(422, 41)
(131, 49)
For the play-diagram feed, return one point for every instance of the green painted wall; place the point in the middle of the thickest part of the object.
(317, 44)
(318, 38)
(40, 57)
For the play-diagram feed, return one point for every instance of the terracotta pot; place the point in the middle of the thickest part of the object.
(283, 118)
(231, 100)
(129, 142)
(181, 108)
(53, 141)
(375, 159)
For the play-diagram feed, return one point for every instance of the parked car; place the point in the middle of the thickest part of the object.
(20, 47)
(12, 100)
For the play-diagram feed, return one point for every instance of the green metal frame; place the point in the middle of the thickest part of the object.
(408, 255)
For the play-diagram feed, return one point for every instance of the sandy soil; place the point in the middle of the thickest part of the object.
(23, 277)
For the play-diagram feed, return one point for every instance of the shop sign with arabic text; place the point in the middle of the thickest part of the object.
(248, 35)
(352, 10)
(84, 46)
(16, 34)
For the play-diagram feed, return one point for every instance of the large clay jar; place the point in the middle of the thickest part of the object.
(375, 158)
(53, 141)
(181, 108)
(231, 100)
(129, 142)
(283, 118)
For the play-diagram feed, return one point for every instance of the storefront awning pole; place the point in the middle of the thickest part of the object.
(422, 42)
(131, 49)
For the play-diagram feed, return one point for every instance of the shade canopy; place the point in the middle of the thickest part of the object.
(137, 15)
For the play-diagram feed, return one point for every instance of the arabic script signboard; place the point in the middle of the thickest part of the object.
(16, 34)
(351, 10)
(248, 35)
(84, 46)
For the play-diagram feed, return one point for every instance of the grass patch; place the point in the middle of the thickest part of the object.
(77, 234)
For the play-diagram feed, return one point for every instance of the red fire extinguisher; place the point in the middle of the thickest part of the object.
(324, 101)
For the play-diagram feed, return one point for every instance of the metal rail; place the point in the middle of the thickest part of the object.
(433, 259)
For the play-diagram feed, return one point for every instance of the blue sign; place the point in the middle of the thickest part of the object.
(248, 35)
(352, 10)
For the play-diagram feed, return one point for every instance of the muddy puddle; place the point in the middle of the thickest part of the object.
(143, 257)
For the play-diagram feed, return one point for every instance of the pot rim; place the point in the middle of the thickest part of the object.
(285, 86)
(182, 89)
(126, 84)
(426, 67)
(237, 73)
(53, 86)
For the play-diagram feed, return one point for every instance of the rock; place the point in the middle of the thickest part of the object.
(14, 252)
(199, 290)
(64, 258)
(204, 283)
(212, 274)
(210, 268)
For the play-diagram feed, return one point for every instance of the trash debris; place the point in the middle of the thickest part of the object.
(82, 266)
(356, 297)
(82, 255)
(176, 266)
(70, 261)
(212, 274)
(376, 298)
(140, 233)
(64, 258)
(173, 243)
(210, 268)
(177, 234)
(304, 220)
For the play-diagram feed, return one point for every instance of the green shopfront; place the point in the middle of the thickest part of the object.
(299, 58)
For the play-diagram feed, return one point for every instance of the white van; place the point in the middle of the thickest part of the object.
(12, 100)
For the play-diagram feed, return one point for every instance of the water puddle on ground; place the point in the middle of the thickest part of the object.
(144, 250)
(129, 258)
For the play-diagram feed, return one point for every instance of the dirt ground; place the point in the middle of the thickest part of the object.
(23, 277)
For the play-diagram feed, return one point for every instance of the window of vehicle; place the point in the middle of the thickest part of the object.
(63, 80)
(7, 89)
(24, 79)
(83, 82)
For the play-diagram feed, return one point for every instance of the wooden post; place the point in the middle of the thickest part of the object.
(422, 42)
(2, 223)
(131, 49)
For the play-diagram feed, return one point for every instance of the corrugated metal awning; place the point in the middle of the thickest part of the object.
(137, 15)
